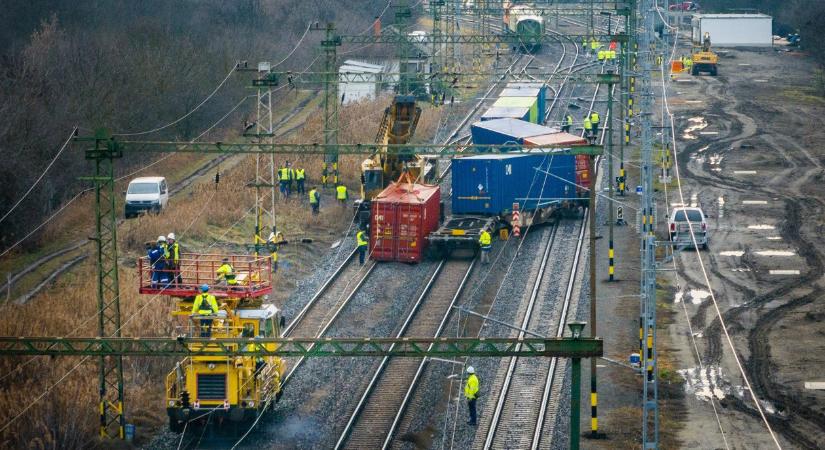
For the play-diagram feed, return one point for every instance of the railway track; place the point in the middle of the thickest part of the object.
(326, 305)
(379, 409)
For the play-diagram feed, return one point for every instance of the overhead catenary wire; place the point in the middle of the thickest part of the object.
(192, 111)
(42, 174)
(705, 276)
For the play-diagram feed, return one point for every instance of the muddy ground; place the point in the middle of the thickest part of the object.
(751, 154)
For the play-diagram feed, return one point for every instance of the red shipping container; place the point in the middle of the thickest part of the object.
(403, 215)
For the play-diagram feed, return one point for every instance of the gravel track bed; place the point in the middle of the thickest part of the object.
(318, 401)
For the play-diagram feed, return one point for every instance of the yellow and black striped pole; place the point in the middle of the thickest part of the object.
(650, 354)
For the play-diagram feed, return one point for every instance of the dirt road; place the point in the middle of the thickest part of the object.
(750, 155)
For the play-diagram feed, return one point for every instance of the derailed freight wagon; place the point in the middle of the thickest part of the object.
(485, 189)
(402, 217)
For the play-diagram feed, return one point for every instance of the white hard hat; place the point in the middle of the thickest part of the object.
(170, 236)
(271, 236)
(161, 238)
(470, 369)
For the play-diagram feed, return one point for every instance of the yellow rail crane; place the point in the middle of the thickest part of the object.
(703, 58)
(377, 171)
(218, 388)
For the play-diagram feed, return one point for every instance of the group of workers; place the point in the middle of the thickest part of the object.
(596, 49)
(687, 62)
(290, 179)
(164, 261)
(590, 123)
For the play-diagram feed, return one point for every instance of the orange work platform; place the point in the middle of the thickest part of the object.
(253, 276)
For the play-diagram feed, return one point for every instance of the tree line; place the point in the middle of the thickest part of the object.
(132, 66)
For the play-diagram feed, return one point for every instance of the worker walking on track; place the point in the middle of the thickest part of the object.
(594, 120)
(341, 194)
(300, 177)
(568, 122)
(588, 129)
(363, 243)
(471, 393)
(173, 262)
(226, 273)
(205, 305)
(485, 242)
(314, 200)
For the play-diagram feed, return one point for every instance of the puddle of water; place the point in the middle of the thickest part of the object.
(732, 253)
(709, 132)
(774, 253)
(678, 297)
(715, 160)
(694, 200)
(754, 202)
(783, 272)
(696, 124)
(721, 202)
(740, 269)
(761, 227)
(693, 101)
(774, 238)
(760, 81)
(702, 150)
(744, 172)
(703, 383)
(697, 295)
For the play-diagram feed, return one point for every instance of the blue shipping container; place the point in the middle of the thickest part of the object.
(506, 131)
(527, 92)
(506, 113)
(490, 184)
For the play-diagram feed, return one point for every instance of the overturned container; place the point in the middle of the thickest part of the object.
(403, 215)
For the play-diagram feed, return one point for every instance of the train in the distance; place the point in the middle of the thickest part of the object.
(526, 21)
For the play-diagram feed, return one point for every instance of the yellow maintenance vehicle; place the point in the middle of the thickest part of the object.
(216, 389)
(703, 59)
(377, 171)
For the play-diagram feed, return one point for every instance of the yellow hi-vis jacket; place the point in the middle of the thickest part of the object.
(569, 119)
(225, 271)
(471, 388)
(594, 117)
(313, 197)
(283, 174)
(174, 252)
(300, 174)
(205, 304)
(587, 124)
(601, 55)
(594, 44)
(361, 239)
(341, 191)
(485, 240)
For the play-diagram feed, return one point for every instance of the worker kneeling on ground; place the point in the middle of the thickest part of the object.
(485, 242)
(226, 274)
(363, 242)
(205, 305)
(471, 393)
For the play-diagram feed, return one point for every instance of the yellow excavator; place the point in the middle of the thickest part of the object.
(704, 60)
(377, 171)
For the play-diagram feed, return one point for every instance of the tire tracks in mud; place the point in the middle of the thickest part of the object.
(800, 423)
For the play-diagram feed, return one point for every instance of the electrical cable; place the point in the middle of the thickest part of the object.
(59, 152)
(176, 121)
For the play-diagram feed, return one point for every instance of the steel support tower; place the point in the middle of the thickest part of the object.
(265, 171)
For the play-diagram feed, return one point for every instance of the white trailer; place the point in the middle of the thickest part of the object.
(734, 30)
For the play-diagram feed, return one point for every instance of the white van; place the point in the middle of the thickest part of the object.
(146, 194)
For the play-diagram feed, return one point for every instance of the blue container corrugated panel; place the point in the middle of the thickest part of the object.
(505, 131)
(542, 87)
(490, 184)
(506, 113)
(537, 93)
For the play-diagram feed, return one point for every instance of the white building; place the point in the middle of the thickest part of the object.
(358, 80)
(734, 30)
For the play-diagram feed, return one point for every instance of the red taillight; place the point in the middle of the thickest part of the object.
(704, 227)
(673, 227)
